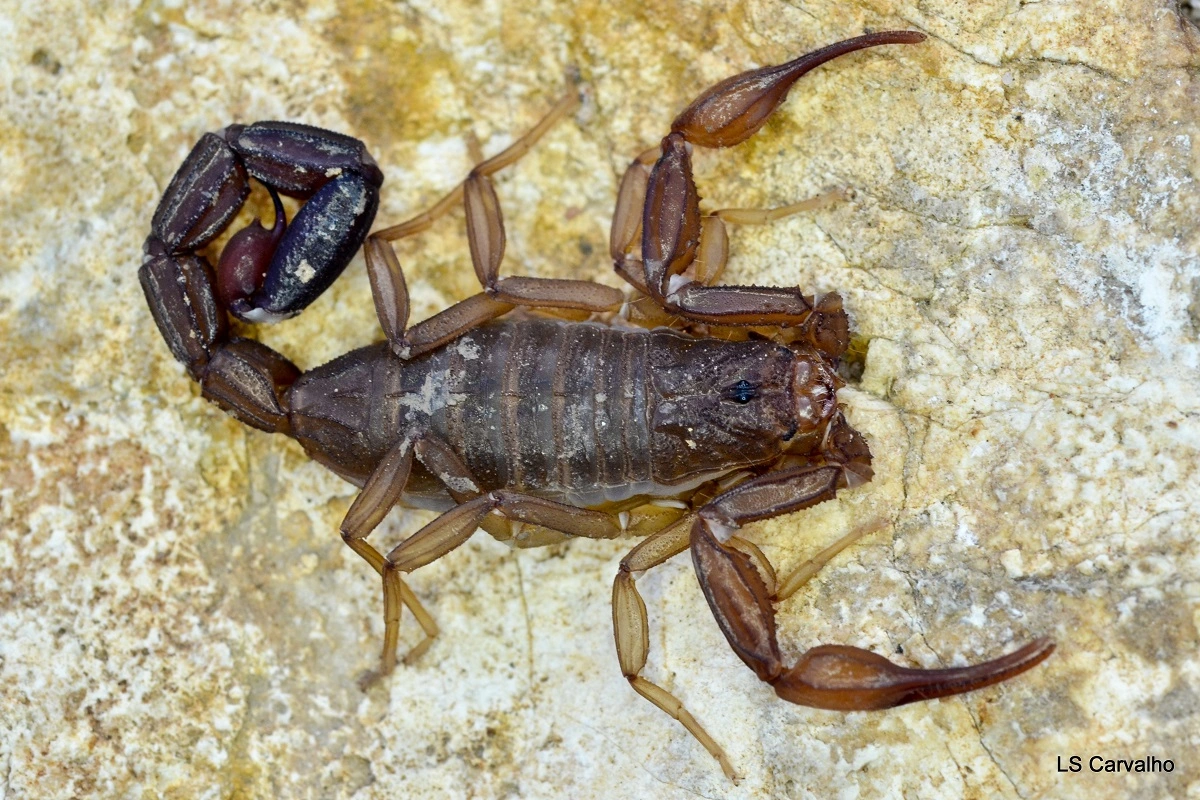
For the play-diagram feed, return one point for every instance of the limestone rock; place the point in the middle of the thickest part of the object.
(1021, 260)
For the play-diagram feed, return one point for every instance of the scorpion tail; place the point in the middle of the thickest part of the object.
(264, 275)
(245, 378)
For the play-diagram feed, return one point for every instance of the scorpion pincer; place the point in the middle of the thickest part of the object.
(536, 428)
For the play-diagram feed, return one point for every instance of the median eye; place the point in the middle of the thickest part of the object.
(742, 392)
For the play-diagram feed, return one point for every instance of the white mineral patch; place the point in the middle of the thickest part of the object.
(433, 396)
(467, 348)
(305, 271)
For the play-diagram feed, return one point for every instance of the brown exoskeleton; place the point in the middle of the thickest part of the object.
(536, 428)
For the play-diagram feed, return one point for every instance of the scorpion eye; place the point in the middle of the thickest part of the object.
(742, 392)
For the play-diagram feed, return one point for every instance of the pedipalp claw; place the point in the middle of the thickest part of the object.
(842, 678)
(834, 677)
(733, 110)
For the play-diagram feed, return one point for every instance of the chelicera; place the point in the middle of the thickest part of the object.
(536, 428)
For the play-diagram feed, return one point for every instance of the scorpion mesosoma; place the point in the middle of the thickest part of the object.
(536, 428)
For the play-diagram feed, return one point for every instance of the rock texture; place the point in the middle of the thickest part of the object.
(1021, 259)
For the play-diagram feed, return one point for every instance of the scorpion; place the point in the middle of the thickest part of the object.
(541, 427)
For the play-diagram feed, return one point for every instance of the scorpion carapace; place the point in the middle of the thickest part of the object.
(535, 429)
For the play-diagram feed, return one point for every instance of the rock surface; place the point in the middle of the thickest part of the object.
(178, 617)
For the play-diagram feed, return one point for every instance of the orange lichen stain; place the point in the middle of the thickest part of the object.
(391, 72)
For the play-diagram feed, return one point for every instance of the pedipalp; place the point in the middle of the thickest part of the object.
(673, 229)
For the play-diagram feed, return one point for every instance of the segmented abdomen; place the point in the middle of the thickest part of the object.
(553, 409)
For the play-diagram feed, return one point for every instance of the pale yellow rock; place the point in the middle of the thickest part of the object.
(178, 617)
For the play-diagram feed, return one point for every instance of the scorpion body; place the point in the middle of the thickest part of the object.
(579, 413)
(535, 429)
